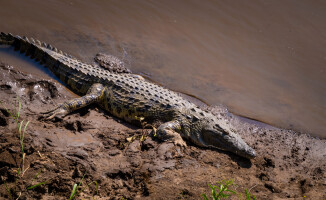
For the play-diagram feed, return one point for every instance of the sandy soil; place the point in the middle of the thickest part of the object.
(128, 163)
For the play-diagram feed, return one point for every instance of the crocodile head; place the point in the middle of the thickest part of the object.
(225, 139)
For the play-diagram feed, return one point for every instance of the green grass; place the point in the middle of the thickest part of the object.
(21, 139)
(76, 191)
(249, 196)
(36, 185)
(21, 130)
(223, 191)
(12, 189)
(8, 190)
(15, 114)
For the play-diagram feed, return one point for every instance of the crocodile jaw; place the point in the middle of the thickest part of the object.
(226, 140)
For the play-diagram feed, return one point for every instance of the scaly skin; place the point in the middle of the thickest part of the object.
(128, 97)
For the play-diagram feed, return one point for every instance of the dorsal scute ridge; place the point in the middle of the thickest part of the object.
(26, 39)
(49, 47)
(37, 42)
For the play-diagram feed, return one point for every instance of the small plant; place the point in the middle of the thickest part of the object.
(21, 139)
(38, 184)
(8, 190)
(15, 114)
(223, 191)
(75, 189)
(249, 196)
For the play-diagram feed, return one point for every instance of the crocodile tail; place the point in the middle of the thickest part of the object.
(47, 55)
(29, 46)
(40, 51)
(21, 44)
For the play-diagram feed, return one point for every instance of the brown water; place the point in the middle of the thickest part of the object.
(262, 59)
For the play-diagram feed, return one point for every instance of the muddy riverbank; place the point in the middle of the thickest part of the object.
(128, 163)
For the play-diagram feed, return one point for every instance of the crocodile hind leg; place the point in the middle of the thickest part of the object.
(111, 63)
(169, 131)
(94, 94)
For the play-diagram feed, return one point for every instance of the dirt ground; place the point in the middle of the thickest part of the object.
(128, 163)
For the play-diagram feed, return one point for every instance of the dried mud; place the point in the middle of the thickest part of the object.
(129, 163)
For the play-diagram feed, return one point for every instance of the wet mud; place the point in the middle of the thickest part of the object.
(127, 162)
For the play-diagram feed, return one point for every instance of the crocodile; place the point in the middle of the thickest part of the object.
(132, 99)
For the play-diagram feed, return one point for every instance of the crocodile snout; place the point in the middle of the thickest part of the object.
(226, 140)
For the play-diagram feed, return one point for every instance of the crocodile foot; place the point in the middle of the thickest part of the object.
(168, 135)
(178, 141)
(111, 63)
(60, 111)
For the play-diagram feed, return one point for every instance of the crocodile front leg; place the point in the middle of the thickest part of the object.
(169, 131)
(94, 94)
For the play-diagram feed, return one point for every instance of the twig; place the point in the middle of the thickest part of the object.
(252, 187)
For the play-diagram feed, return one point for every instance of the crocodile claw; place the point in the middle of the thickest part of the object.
(169, 135)
(59, 112)
(180, 143)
